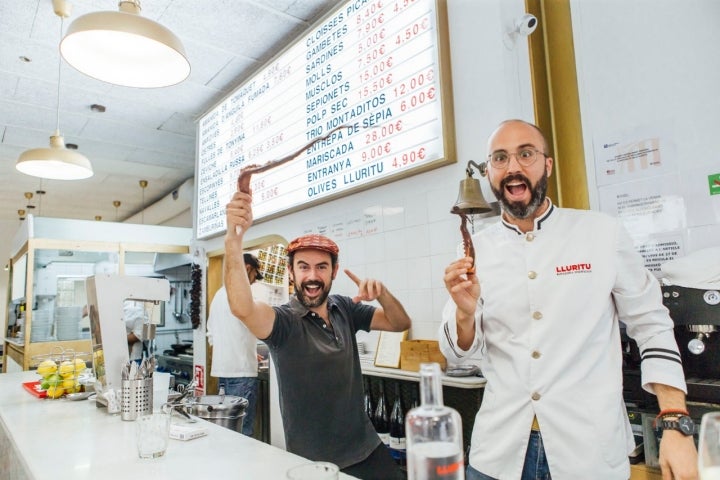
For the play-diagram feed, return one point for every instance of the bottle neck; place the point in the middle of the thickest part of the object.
(430, 385)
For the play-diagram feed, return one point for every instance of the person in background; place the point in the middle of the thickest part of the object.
(542, 311)
(234, 349)
(134, 316)
(312, 342)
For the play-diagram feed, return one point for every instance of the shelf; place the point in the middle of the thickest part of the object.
(397, 374)
(15, 341)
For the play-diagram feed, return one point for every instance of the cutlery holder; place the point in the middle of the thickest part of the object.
(137, 398)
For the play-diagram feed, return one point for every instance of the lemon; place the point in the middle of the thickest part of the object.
(68, 383)
(54, 391)
(66, 369)
(53, 380)
(47, 367)
(80, 365)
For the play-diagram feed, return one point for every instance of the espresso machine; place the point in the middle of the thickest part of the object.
(696, 314)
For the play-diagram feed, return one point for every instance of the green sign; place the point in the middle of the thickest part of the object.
(714, 182)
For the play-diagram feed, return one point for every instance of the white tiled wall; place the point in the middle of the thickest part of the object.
(416, 236)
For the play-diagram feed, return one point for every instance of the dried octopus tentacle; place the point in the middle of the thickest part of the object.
(467, 239)
(247, 172)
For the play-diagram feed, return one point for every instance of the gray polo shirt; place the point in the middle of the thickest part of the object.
(320, 381)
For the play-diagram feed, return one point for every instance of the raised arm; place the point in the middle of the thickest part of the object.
(391, 316)
(257, 316)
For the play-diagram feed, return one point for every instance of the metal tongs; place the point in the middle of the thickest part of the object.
(178, 403)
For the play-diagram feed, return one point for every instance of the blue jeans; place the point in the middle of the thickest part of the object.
(535, 468)
(246, 387)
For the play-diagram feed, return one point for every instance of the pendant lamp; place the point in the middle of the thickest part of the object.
(55, 162)
(125, 49)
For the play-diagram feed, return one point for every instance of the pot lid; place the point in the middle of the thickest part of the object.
(217, 404)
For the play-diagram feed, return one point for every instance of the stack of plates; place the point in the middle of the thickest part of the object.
(41, 323)
(67, 322)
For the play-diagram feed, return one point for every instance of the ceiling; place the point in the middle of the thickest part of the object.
(144, 134)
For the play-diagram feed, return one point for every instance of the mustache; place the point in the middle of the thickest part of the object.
(514, 178)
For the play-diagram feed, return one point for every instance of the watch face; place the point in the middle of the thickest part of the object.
(687, 426)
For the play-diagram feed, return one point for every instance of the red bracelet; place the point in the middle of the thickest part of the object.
(672, 411)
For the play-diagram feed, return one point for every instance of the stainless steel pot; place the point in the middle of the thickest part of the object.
(225, 410)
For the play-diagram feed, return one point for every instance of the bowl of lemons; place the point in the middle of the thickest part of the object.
(62, 372)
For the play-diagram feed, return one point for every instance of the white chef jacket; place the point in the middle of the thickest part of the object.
(234, 346)
(134, 317)
(549, 340)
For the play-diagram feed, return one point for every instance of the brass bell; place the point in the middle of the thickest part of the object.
(470, 200)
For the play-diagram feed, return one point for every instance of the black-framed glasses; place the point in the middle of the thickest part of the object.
(525, 157)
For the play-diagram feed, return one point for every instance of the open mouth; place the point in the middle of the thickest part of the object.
(312, 289)
(516, 189)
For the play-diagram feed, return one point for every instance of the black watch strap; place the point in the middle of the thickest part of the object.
(683, 424)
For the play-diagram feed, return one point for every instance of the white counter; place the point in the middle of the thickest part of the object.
(75, 440)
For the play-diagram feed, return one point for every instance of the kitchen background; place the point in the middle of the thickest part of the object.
(411, 236)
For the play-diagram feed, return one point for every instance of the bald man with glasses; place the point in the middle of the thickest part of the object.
(542, 310)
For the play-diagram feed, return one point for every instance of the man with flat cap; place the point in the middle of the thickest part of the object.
(234, 349)
(312, 342)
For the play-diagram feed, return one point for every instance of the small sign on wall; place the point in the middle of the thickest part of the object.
(714, 184)
(199, 380)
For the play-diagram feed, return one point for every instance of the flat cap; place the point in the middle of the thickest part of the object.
(313, 241)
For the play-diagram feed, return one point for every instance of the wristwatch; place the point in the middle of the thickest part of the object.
(683, 424)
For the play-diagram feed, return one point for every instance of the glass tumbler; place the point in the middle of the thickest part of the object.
(152, 434)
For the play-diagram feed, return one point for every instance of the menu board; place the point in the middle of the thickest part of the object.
(372, 77)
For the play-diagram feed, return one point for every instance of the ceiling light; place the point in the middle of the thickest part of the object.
(143, 185)
(55, 162)
(125, 49)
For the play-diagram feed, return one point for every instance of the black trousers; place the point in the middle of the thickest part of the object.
(378, 466)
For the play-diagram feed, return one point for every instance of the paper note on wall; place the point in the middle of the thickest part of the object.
(633, 154)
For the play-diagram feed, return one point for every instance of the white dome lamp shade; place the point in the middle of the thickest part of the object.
(123, 48)
(55, 162)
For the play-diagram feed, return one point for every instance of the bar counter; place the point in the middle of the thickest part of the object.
(75, 440)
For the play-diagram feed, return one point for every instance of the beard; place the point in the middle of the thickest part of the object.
(311, 303)
(520, 210)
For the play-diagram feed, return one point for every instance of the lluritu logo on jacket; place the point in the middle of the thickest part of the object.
(574, 268)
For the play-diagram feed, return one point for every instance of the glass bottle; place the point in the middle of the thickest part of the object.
(367, 400)
(415, 402)
(397, 429)
(382, 417)
(434, 433)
